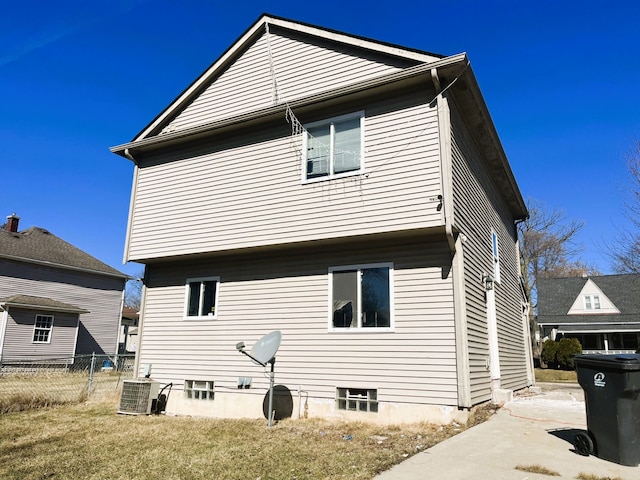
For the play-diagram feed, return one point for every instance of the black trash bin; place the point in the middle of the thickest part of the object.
(611, 385)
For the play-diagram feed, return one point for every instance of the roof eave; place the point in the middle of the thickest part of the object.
(66, 267)
(455, 61)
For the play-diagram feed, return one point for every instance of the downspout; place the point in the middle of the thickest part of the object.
(134, 189)
(3, 327)
(463, 374)
(143, 302)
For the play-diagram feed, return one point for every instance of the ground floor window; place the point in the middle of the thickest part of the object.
(361, 296)
(357, 399)
(42, 329)
(199, 389)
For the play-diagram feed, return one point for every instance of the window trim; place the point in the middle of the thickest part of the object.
(331, 175)
(361, 329)
(187, 293)
(49, 329)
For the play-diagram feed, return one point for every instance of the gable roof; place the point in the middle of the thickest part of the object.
(407, 67)
(260, 28)
(37, 245)
(557, 295)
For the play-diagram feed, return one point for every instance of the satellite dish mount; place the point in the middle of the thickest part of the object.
(262, 353)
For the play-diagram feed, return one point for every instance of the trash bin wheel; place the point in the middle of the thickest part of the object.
(583, 444)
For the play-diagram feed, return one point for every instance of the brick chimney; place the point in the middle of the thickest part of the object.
(12, 223)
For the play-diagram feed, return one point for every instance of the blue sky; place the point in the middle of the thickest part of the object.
(560, 80)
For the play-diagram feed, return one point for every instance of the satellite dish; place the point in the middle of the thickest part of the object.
(265, 348)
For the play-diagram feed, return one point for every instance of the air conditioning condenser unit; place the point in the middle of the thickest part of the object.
(138, 396)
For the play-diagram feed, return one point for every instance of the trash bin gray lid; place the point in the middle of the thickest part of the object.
(630, 361)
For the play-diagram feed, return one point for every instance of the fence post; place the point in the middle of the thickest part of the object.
(93, 361)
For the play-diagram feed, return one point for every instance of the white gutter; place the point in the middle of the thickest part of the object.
(405, 74)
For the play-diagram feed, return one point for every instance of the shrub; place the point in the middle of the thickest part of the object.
(567, 348)
(548, 353)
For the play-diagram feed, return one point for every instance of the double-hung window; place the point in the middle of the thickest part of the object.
(592, 302)
(42, 329)
(201, 297)
(361, 297)
(333, 147)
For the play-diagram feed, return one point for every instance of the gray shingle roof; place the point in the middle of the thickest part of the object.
(31, 302)
(556, 296)
(39, 245)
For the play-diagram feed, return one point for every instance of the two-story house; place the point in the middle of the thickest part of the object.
(56, 301)
(353, 195)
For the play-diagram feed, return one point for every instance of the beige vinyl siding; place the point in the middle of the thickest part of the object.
(248, 192)
(99, 294)
(479, 209)
(19, 343)
(299, 68)
(289, 292)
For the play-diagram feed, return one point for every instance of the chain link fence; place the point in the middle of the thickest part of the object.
(28, 384)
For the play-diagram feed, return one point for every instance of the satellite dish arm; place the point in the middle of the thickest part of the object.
(256, 360)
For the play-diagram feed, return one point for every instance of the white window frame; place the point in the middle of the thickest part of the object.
(199, 389)
(495, 250)
(590, 301)
(187, 292)
(48, 330)
(358, 316)
(331, 121)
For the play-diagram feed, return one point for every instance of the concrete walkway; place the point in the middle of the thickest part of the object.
(532, 430)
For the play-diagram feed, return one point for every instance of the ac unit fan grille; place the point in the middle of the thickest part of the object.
(137, 397)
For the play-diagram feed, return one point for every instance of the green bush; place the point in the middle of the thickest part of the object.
(548, 353)
(567, 348)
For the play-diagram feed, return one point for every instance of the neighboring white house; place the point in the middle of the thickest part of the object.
(350, 193)
(602, 312)
(56, 301)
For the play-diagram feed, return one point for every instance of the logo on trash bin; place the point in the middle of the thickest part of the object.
(598, 380)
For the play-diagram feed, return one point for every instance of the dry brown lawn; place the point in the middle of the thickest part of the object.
(90, 441)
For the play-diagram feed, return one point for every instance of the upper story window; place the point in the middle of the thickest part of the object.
(333, 148)
(496, 256)
(361, 297)
(42, 329)
(201, 297)
(592, 302)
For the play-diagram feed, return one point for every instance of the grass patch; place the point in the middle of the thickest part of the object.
(588, 476)
(90, 441)
(555, 376)
(537, 469)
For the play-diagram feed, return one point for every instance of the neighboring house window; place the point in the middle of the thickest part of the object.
(592, 302)
(198, 389)
(361, 297)
(333, 147)
(201, 297)
(42, 330)
(357, 399)
(496, 257)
